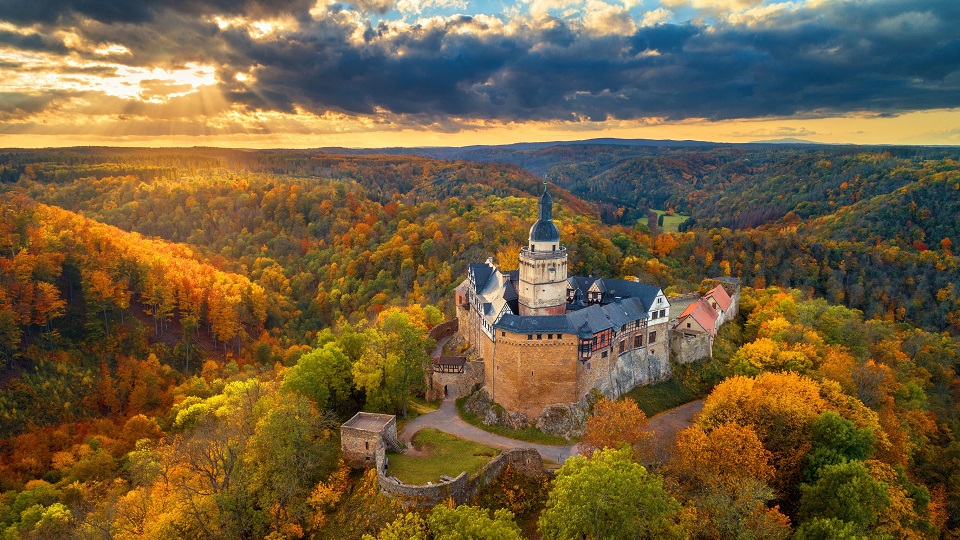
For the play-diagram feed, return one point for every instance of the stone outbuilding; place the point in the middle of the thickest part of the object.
(365, 437)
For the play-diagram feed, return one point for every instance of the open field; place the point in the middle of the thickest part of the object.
(671, 223)
(438, 454)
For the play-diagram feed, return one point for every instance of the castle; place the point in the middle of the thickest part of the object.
(547, 338)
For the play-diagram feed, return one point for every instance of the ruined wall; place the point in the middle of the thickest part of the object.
(361, 448)
(527, 375)
(463, 489)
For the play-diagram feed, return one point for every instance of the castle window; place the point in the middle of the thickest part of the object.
(603, 354)
(637, 342)
(529, 336)
(623, 346)
(549, 336)
(653, 337)
(559, 336)
(368, 444)
(531, 373)
(688, 325)
(554, 247)
(539, 336)
(503, 334)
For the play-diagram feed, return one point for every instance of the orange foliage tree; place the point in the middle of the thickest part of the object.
(616, 423)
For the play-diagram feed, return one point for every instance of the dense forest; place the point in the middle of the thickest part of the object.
(183, 330)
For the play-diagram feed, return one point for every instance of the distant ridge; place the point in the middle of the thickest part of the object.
(790, 140)
(448, 152)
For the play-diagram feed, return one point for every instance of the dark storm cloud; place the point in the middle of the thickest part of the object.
(884, 58)
(138, 11)
(878, 57)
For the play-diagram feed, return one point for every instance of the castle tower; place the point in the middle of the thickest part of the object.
(543, 266)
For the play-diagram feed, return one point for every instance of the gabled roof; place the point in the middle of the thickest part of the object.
(481, 274)
(703, 313)
(580, 282)
(510, 291)
(614, 315)
(719, 294)
(612, 289)
(618, 288)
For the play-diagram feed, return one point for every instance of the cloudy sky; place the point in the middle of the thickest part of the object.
(308, 73)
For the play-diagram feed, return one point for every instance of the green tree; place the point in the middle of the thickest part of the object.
(409, 526)
(836, 440)
(608, 496)
(847, 492)
(827, 529)
(323, 375)
(393, 364)
(287, 458)
(472, 523)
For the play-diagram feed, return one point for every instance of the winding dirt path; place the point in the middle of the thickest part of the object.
(665, 427)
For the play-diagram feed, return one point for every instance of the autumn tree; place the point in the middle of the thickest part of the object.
(725, 475)
(616, 423)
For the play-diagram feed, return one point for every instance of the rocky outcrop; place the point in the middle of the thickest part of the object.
(563, 420)
(492, 414)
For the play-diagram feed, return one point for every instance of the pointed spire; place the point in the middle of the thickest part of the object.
(545, 230)
(546, 205)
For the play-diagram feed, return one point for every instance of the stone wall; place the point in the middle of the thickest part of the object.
(363, 448)
(457, 384)
(463, 489)
(444, 329)
(618, 374)
(689, 348)
(526, 375)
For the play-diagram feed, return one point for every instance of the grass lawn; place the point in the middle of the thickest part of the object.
(421, 405)
(530, 434)
(448, 456)
(671, 223)
(659, 397)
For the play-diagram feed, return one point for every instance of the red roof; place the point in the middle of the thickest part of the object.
(703, 313)
(720, 296)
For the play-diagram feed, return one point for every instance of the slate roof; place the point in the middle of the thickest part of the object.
(481, 274)
(619, 288)
(719, 294)
(580, 282)
(702, 312)
(533, 324)
(597, 318)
